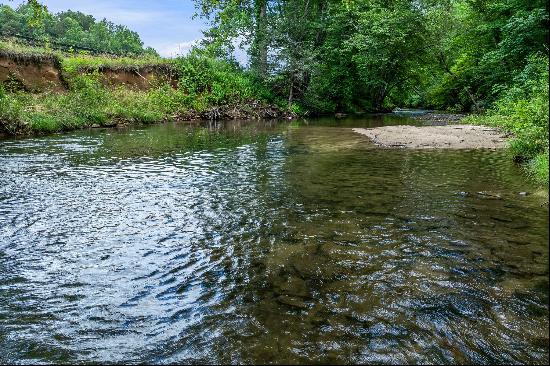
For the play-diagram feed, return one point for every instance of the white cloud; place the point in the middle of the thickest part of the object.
(176, 49)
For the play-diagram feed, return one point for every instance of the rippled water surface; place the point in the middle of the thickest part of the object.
(267, 243)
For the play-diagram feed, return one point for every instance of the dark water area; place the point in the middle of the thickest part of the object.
(253, 242)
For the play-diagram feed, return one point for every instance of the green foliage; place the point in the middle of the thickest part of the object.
(43, 122)
(11, 109)
(369, 51)
(74, 63)
(523, 110)
(212, 81)
(478, 47)
(538, 168)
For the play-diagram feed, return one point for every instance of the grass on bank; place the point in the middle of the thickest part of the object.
(523, 111)
(18, 48)
(75, 61)
(87, 103)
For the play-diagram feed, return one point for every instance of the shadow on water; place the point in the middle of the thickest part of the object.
(249, 242)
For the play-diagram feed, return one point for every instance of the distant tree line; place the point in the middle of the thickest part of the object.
(69, 28)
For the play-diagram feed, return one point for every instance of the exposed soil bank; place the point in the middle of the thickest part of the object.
(37, 73)
(31, 73)
(436, 137)
(139, 78)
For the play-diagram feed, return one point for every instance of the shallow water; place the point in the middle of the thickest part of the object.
(267, 243)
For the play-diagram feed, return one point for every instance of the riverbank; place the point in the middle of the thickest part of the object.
(45, 92)
(94, 106)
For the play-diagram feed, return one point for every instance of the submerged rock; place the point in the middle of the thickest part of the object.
(293, 286)
(490, 195)
(291, 301)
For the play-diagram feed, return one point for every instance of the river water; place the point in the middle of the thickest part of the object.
(267, 242)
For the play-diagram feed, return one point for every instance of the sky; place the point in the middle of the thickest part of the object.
(165, 25)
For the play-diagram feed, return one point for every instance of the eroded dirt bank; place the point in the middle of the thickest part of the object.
(436, 137)
(39, 73)
(31, 73)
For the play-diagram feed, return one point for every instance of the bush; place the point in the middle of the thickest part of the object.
(538, 167)
(213, 80)
(11, 110)
(44, 122)
(523, 111)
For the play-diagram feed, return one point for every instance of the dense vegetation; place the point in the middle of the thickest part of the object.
(522, 109)
(333, 55)
(489, 57)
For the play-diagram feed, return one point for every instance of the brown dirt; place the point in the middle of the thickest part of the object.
(140, 78)
(32, 73)
(38, 73)
(436, 137)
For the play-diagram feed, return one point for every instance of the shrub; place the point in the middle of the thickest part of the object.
(215, 81)
(523, 110)
(11, 110)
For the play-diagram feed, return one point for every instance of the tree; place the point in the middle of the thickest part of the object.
(70, 28)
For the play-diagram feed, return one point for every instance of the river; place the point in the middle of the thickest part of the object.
(266, 242)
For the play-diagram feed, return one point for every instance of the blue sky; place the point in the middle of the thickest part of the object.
(165, 25)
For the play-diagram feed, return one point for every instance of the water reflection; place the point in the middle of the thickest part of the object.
(256, 243)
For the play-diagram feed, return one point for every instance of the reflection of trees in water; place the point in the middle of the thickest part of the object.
(173, 138)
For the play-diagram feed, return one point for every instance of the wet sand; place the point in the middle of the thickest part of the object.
(436, 137)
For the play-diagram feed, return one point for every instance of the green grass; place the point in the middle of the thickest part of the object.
(73, 63)
(14, 47)
(538, 168)
(87, 103)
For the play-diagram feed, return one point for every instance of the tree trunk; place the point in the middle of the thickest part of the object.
(290, 92)
(259, 51)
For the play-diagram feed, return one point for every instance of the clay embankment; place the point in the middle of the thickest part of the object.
(32, 73)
